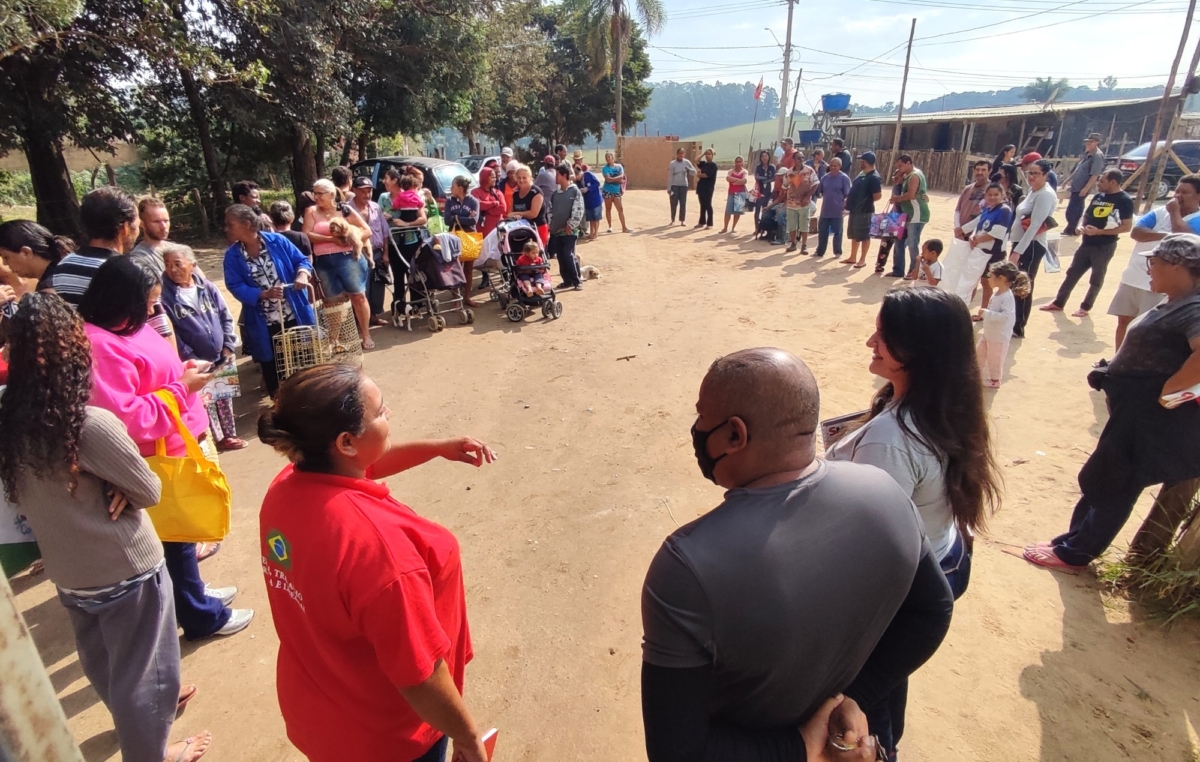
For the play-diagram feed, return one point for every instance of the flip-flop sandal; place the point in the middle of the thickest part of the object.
(186, 694)
(1048, 559)
(190, 742)
(861, 264)
(206, 550)
(1101, 363)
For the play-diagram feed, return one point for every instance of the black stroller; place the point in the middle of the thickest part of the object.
(434, 286)
(517, 305)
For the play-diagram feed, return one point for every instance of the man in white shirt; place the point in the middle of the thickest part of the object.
(1180, 215)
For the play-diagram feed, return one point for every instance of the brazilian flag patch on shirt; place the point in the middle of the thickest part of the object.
(279, 550)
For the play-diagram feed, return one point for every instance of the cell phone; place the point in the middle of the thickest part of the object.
(225, 361)
(489, 742)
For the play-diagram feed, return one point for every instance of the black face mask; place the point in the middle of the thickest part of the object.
(707, 463)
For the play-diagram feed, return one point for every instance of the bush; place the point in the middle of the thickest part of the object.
(16, 189)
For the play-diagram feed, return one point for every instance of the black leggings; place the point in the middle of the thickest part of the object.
(400, 271)
(704, 194)
(1029, 263)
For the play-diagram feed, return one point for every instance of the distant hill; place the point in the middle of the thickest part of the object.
(731, 141)
(1011, 97)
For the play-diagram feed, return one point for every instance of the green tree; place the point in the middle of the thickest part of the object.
(606, 26)
(1108, 83)
(27, 23)
(1046, 90)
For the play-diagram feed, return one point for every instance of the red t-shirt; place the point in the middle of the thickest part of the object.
(366, 596)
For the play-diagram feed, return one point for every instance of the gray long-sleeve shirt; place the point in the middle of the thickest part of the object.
(678, 173)
(566, 209)
(1037, 206)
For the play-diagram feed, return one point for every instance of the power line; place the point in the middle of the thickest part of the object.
(1091, 10)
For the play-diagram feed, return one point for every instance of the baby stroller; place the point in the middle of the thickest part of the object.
(430, 280)
(516, 303)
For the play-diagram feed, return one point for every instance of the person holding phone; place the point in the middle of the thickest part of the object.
(204, 330)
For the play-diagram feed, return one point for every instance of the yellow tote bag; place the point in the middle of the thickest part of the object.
(196, 501)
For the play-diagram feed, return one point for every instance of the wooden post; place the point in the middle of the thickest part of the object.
(200, 208)
(1021, 140)
(1058, 136)
(1161, 116)
(1162, 165)
(1142, 134)
(1111, 128)
(903, 88)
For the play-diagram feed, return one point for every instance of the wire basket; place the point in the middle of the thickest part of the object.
(334, 339)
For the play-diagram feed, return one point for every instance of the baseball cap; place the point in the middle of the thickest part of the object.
(1177, 248)
(550, 161)
(1030, 158)
(1094, 136)
(363, 181)
(868, 157)
(506, 151)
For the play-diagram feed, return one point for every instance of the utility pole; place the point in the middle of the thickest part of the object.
(792, 113)
(787, 72)
(903, 88)
(1151, 154)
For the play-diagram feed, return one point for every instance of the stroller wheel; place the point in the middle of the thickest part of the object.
(516, 313)
(464, 317)
(557, 310)
(470, 316)
(441, 323)
(546, 310)
(432, 324)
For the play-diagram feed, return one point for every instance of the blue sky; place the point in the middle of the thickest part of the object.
(967, 45)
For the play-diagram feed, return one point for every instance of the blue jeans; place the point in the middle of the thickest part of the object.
(912, 243)
(437, 752)
(825, 226)
(562, 247)
(341, 273)
(196, 612)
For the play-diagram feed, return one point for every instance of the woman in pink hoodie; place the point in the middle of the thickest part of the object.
(130, 362)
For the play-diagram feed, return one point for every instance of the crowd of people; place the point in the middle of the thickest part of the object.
(108, 356)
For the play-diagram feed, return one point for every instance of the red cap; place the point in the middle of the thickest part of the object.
(550, 161)
(1030, 158)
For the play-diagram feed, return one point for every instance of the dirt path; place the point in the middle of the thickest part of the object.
(596, 468)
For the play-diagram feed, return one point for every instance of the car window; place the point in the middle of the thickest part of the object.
(447, 172)
(364, 170)
(1188, 153)
(1139, 152)
(472, 163)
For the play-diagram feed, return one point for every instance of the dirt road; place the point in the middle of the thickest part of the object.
(590, 415)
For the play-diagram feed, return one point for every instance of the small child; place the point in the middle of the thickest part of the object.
(532, 283)
(999, 319)
(407, 198)
(931, 269)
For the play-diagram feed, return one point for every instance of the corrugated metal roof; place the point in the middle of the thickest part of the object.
(994, 112)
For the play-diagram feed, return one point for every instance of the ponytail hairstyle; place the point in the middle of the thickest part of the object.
(312, 409)
(943, 408)
(1018, 281)
(24, 234)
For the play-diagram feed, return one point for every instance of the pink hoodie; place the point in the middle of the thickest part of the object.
(126, 371)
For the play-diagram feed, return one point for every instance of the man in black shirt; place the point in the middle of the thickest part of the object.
(706, 183)
(860, 205)
(810, 580)
(837, 150)
(1109, 215)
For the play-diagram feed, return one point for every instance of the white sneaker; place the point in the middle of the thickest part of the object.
(224, 594)
(239, 620)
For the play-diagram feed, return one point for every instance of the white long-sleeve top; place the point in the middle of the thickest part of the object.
(1037, 206)
(1000, 317)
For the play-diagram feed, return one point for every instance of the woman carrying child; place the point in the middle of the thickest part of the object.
(405, 211)
(998, 319)
(927, 428)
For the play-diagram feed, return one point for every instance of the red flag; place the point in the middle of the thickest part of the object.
(758, 90)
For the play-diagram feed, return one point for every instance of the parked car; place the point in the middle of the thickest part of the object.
(476, 162)
(439, 173)
(1188, 152)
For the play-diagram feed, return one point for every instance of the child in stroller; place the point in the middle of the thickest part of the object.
(533, 274)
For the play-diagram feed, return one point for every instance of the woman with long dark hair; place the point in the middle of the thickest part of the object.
(1004, 157)
(367, 596)
(31, 251)
(927, 428)
(130, 363)
(83, 487)
(764, 178)
(1029, 234)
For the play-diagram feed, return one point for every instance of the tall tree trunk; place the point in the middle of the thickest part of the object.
(319, 157)
(304, 161)
(196, 105)
(362, 145)
(347, 147)
(619, 65)
(57, 206)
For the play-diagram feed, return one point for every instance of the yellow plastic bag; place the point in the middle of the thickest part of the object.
(196, 501)
(472, 244)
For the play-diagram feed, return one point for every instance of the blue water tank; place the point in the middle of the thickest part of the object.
(810, 137)
(835, 102)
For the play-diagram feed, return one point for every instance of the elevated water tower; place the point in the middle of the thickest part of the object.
(834, 108)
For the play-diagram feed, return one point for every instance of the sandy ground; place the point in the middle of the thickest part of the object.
(590, 415)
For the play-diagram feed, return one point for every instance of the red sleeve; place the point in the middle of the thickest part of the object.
(402, 626)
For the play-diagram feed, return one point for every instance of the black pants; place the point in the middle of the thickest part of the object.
(704, 194)
(1075, 204)
(1030, 263)
(376, 289)
(270, 372)
(678, 199)
(1090, 256)
(408, 251)
(563, 247)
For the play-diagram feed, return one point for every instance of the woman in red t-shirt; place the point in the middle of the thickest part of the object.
(366, 596)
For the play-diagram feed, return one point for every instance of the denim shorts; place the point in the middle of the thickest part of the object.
(342, 274)
(594, 214)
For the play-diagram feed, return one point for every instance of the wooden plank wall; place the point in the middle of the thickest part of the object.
(944, 170)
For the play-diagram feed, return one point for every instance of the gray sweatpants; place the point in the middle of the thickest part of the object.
(129, 649)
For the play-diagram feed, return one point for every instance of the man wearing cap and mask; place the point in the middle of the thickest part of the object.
(1083, 179)
(810, 580)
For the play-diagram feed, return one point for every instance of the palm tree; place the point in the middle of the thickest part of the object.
(1046, 90)
(606, 26)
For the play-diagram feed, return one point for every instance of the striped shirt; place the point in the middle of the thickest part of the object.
(75, 271)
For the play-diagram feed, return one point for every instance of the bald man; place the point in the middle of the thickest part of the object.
(811, 579)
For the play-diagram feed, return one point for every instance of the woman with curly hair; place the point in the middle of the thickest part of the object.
(130, 363)
(928, 429)
(83, 487)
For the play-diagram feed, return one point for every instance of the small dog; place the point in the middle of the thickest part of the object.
(589, 272)
(348, 235)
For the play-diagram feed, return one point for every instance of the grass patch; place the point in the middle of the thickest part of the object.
(1161, 584)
